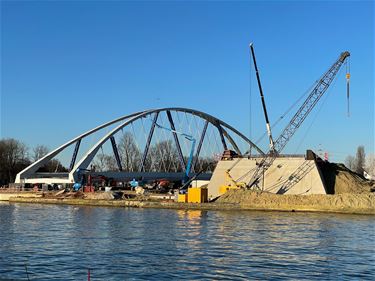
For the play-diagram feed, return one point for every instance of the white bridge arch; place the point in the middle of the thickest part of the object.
(224, 134)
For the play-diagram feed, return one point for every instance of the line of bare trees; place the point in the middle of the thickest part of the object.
(162, 156)
(15, 156)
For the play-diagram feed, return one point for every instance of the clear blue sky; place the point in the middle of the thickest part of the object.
(67, 66)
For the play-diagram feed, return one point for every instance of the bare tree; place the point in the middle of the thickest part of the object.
(111, 163)
(39, 151)
(52, 166)
(99, 162)
(13, 158)
(129, 153)
(360, 160)
(165, 157)
(104, 162)
(208, 164)
(350, 162)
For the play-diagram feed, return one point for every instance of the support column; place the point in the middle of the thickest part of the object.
(220, 129)
(147, 147)
(74, 157)
(179, 150)
(232, 142)
(200, 143)
(115, 151)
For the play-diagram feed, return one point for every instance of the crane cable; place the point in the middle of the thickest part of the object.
(348, 84)
(318, 111)
(287, 111)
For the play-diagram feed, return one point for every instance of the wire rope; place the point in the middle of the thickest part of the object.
(317, 113)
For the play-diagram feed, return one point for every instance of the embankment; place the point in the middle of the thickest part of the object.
(5, 196)
(343, 203)
(238, 200)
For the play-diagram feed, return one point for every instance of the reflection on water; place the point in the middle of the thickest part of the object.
(62, 242)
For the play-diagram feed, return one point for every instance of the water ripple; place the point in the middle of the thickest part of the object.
(63, 242)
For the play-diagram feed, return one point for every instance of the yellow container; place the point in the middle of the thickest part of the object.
(197, 195)
(182, 198)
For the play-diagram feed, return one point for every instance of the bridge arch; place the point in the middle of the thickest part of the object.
(228, 138)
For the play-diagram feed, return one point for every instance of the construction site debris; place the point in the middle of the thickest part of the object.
(139, 190)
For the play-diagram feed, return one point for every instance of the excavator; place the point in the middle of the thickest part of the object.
(321, 86)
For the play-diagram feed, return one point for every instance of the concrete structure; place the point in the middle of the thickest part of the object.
(287, 175)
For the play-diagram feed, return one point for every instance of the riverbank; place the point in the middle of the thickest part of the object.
(5, 196)
(236, 200)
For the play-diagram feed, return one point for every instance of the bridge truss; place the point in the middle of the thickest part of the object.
(149, 143)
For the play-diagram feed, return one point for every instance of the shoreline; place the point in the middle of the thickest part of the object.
(193, 206)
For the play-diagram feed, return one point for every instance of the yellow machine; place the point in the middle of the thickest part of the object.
(231, 183)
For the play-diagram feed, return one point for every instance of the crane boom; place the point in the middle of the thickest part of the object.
(268, 126)
(318, 91)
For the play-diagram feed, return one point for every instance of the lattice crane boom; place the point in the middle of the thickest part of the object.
(310, 102)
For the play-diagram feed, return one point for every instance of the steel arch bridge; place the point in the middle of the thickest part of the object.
(147, 144)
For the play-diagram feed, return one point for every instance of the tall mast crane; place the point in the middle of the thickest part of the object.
(268, 126)
(318, 91)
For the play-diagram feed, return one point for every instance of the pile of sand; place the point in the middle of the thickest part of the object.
(79, 195)
(262, 200)
(99, 195)
(339, 180)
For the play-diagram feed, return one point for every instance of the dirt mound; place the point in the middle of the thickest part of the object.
(80, 195)
(99, 195)
(262, 200)
(340, 180)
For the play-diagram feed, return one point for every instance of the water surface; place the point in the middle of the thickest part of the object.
(63, 242)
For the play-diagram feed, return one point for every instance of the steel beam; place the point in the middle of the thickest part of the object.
(220, 129)
(149, 138)
(199, 147)
(115, 151)
(74, 157)
(232, 142)
(179, 150)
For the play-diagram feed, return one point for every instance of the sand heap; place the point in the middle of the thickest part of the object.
(99, 195)
(339, 179)
(351, 193)
(79, 195)
(364, 202)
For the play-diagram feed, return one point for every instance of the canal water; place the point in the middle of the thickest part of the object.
(51, 242)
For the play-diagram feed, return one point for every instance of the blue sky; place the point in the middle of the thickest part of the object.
(67, 66)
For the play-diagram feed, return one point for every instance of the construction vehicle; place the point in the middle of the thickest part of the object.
(320, 88)
(231, 183)
(277, 146)
(86, 180)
